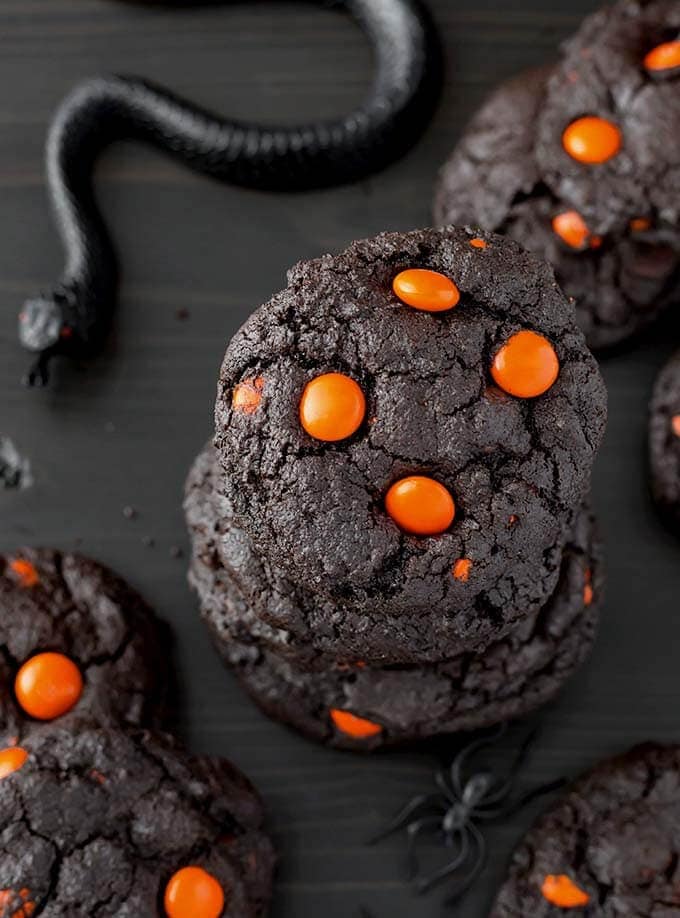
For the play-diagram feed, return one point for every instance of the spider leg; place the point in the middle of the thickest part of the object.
(424, 884)
(422, 802)
(414, 829)
(509, 808)
(467, 752)
(505, 787)
(478, 865)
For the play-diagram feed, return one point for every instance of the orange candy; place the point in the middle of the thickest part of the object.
(247, 396)
(8, 897)
(25, 572)
(427, 290)
(561, 891)
(48, 685)
(640, 225)
(592, 140)
(572, 229)
(526, 366)
(351, 725)
(332, 407)
(420, 505)
(478, 243)
(675, 424)
(11, 760)
(461, 569)
(193, 893)
(664, 57)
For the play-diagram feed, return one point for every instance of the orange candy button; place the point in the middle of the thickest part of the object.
(48, 685)
(11, 760)
(193, 893)
(526, 366)
(332, 407)
(461, 569)
(675, 424)
(561, 891)
(478, 243)
(664, 57)
(25, 572)
(247, 395)
(592, 140)
(351, 725)
(571, 228)
(427, 290)
(420, 505)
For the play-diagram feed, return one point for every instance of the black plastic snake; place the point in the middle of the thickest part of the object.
(73, 318)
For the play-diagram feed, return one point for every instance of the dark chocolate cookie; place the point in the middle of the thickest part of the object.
(607, 848)
(356, 706)
(313, 632)
(76, 641)
(108, 823)
(619, 282)
(358, 412)
(608, 131)
(664, 440)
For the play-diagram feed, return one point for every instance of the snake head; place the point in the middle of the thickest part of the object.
(44, 332)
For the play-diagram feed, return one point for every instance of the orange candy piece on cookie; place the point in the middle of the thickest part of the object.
(193, 893)
(11, 760)
(351, 725)
(592, 140)
(420, 505)
(561, 891)
(426, 290)
(25, 572)
(526, 366)
(48, 685)
(332, 407)
(664, 57)
(572, 229)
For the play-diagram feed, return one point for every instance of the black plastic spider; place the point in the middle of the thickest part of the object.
(452, 814)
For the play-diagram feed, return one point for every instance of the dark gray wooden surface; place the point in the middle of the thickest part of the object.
(125, 430)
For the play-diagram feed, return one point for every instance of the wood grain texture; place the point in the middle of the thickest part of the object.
(124, 430)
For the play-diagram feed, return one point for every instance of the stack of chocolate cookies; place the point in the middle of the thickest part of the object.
(578, 162)
(391, 535)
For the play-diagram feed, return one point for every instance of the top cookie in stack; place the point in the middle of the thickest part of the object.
(578, 163)
(405, 437)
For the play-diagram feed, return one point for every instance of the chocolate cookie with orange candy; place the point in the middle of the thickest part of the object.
(361, 707)
(242, 595)
(664, 441)
(98, 821)
(576, 163)
(76, 643)
(416, 406)
(608, 847)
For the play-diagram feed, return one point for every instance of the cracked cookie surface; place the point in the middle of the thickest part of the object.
(67, 605)
(515, 467)
(611, 843)
(98, 822)
(664, 440)
(406, 703)
(620, 282)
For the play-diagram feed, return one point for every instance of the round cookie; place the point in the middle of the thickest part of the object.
(515, 467)
(76, 641)
(619, 283)
(355, 706)
(101, 822)
(606, 848)
(664, 440)
(621, 164)
(293, 622)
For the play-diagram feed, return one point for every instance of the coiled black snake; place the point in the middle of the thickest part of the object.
(73, 318)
